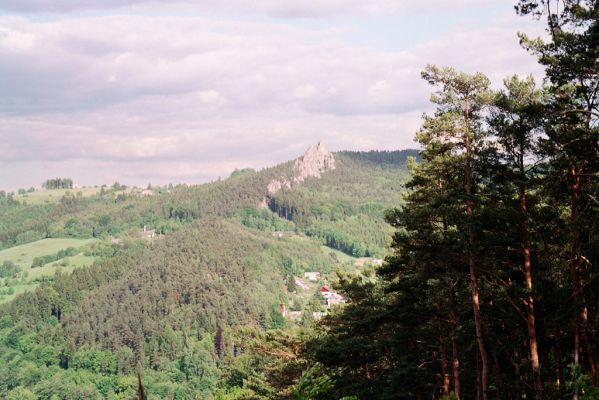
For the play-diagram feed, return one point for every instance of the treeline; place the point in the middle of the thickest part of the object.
(40, 261)
(491, 290)
(58, 183)
(397, 157)
(112, 213)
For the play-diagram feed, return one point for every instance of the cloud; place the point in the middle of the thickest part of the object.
(274, 8)
(156, 98)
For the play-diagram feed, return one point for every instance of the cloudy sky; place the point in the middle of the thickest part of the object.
(163, 91)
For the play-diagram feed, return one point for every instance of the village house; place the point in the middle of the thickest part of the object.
(148, 233)
(147, 192)
(331, 297)
(312, 276)
(334, 298)
(300, 282)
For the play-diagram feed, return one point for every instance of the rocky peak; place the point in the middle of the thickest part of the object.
(316, 160)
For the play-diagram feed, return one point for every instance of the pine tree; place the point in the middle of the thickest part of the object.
(460, 100)
(571, 61)
(516, 122)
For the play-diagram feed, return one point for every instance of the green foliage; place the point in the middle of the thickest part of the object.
(345, 207)
(262, 219)
(173, 308)
(240, 172)
(8, 269)
(20, 393)
(493, 241)
(581, 384)
(58, 183)
(95, 360)
(42, 260)
(312, 383)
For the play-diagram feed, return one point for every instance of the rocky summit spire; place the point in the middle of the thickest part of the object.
(316, 160)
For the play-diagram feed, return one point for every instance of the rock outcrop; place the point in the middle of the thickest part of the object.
(316, 160)
(277, 184)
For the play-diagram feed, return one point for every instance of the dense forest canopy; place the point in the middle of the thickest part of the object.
(220, 265)
(488, 288)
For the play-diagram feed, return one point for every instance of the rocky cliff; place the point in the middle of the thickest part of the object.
(316, 160)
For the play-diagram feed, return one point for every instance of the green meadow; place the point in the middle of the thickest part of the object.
(23, 256)
(47, 196)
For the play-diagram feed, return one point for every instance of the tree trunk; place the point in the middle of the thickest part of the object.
(517, 373)
(473, 265)
(530, 302)
(575, 257)
(444, 361)
(589, 345)
(453, 313)
(574, 261)
(558, 373)
(479, 389)
(497, 371)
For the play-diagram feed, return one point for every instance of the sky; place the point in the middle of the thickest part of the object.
(140, 91)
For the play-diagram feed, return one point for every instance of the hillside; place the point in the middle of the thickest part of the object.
(220, 256)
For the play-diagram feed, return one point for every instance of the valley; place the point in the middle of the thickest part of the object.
(122, 276)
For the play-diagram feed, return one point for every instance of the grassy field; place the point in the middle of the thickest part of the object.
(54, 195)
(19, 288)
(341, 256)
(80, 260)
(24, 254)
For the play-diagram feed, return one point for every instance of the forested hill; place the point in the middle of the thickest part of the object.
(176, 273)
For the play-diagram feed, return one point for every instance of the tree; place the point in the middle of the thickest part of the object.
(570, 59)
(460, 100)
(8, 269)
(516, 122)
(58, 183)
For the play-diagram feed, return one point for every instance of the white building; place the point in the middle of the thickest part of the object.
(312, 276)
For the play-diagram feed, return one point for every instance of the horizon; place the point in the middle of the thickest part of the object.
(77, 185)
(154, 91)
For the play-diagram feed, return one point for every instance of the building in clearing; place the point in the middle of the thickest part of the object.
(148, 233)
(331, 296)
(313, 276)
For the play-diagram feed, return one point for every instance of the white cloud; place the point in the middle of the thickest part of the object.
(274, 8)
(143, 98)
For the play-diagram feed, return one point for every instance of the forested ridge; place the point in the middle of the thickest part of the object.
(173, 307)
(488, 288)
